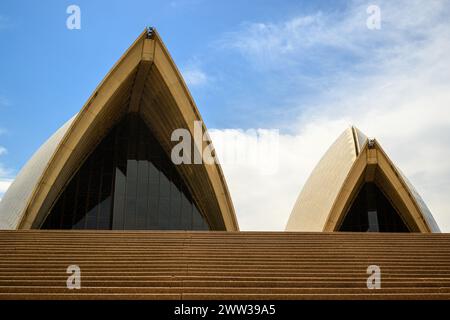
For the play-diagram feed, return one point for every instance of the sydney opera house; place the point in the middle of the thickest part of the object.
(103, 194)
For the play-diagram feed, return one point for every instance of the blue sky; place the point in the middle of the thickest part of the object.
(306, 68)
(48, 71)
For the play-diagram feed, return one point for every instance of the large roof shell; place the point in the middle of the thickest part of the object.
(144, 80)
(332, 185)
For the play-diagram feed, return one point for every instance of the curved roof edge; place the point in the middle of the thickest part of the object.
(349, 161)
(311, 209)
(426, 212)
(15, 199)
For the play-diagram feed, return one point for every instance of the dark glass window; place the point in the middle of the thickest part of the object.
(127, 183)
(371, 211)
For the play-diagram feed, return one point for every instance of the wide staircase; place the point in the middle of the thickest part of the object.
(223, 265)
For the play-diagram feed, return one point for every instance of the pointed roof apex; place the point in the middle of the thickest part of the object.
(150, 32)
(359, 139)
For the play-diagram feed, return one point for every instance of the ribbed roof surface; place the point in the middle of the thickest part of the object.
(216, 265)
(314, 203)
(16, 198)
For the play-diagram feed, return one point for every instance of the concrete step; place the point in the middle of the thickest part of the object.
(222, 265)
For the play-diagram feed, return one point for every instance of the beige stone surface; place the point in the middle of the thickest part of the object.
(223, 265)
(315, 201)
(15, 199)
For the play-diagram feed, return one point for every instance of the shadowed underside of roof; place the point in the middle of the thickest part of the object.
(223, 265)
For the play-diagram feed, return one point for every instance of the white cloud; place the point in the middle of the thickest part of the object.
(181, 4)
(4, 102)
(317, 36)
(5, 177)
(264, 201)
(5, 174)
(194, 76)
(4, 22)
(395, 86)
(4, 185)
(5, 181)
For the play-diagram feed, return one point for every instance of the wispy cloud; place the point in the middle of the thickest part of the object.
(4, 102)
(194, 76)
(5, 174)
(5, 179)
(4, 185)
(392, 83)
(4, 22)
(330, 38)
(184, 3)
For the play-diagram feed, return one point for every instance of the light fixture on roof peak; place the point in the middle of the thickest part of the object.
(150, 32)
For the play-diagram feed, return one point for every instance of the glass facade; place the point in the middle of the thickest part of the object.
(372, 212)
(127, 183)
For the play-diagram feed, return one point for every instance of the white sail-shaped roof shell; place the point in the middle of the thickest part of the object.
(14, 201)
